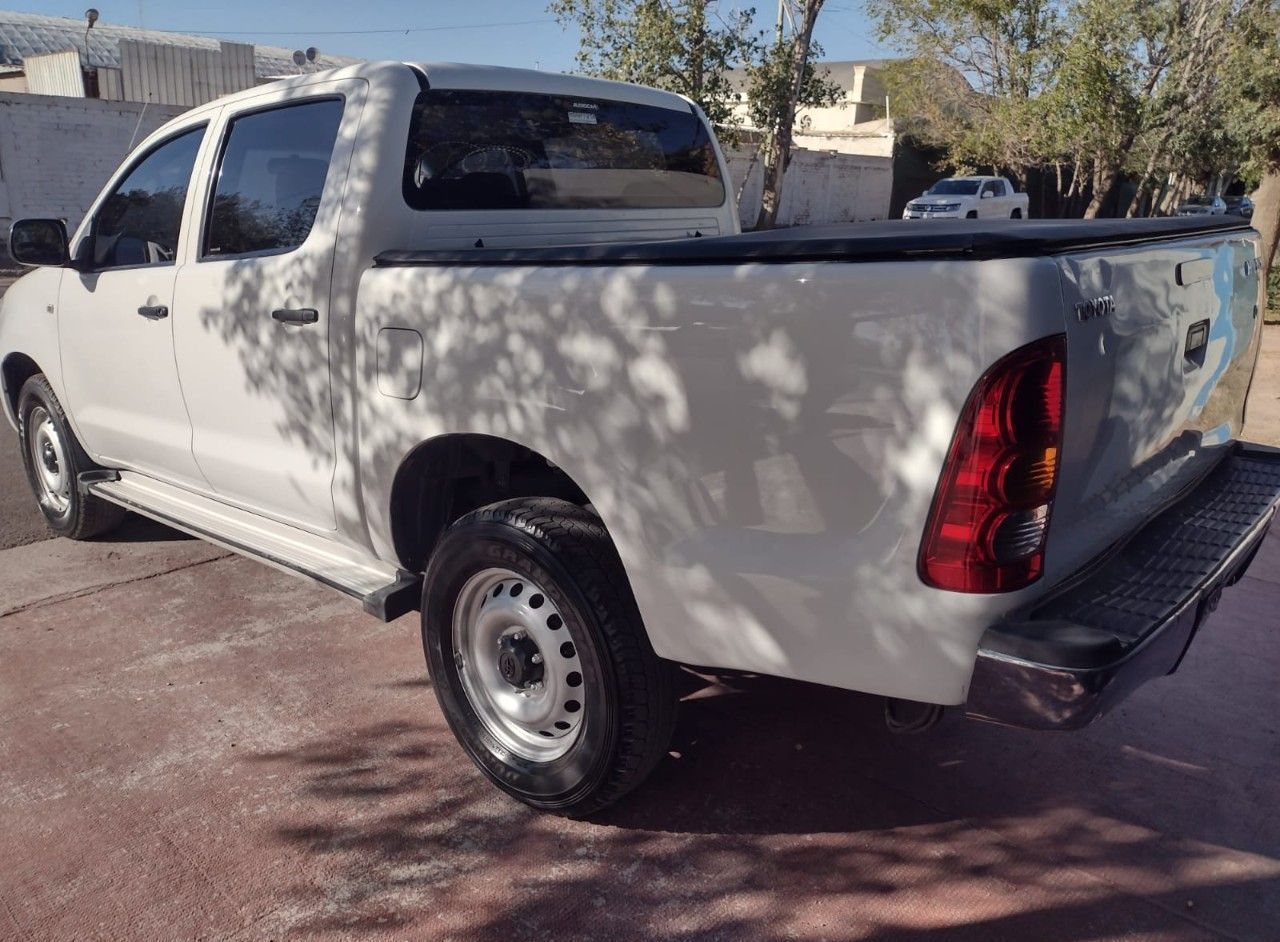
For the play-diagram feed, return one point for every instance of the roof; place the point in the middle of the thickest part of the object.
(29, 34)
(843, 72)
(451, 75)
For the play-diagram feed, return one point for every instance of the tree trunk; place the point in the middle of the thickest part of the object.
(778, 155)
(1144, 183)
(1266, 219)
(1104, 181)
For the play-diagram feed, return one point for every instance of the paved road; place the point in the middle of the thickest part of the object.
(196, 746)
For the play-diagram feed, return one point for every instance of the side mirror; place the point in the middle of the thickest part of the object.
(39, 242)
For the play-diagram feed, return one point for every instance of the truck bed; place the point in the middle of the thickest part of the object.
(763, 429)
(886, 240)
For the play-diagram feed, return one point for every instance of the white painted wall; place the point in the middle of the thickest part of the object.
(56, 153)
(820, 187)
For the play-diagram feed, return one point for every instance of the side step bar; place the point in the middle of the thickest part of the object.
(384, 591)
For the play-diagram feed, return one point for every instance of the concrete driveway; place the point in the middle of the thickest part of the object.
(197, 747)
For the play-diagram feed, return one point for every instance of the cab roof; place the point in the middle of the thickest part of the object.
(480, 77)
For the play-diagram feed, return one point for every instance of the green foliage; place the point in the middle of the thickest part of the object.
(769, 84)
(1250, 91)
(974, 74)
(689, 47)
(1158, 90)
(683, 46)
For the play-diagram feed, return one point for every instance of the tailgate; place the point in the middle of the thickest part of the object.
(1161, 345)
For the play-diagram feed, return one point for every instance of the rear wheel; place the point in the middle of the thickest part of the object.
(1016, 214)
(54, 460)
(539, 658)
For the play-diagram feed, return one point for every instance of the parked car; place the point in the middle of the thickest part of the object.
(969, 198)
(1202, 206)
(1239, 206)
(486, 344)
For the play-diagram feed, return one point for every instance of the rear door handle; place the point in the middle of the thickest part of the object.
(302, 315)
(154, 312)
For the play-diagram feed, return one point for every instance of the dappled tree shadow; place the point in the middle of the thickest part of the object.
(781, 806)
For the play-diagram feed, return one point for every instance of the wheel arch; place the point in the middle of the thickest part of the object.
(443, 478)
(16, 369)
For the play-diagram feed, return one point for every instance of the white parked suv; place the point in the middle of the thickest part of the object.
(969, 198)
(486, 344)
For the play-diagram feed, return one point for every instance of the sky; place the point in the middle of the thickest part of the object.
(516, 33)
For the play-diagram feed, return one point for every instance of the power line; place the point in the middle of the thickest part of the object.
(352, 32)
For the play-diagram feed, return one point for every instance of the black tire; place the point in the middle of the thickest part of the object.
(1016, 214)
(972, 214)
(628, 695)
(82, 516)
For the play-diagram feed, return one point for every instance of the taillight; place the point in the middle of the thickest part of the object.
(987, 526)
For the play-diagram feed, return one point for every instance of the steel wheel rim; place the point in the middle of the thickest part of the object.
(539, 721)
(49, 459)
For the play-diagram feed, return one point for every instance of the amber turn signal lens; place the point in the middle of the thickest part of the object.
(1025, 479)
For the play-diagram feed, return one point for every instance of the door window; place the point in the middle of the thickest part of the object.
(139, 222)
(270, 179)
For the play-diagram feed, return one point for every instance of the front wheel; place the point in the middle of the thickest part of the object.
(1016, 214)
(539, 659)
(53, 460)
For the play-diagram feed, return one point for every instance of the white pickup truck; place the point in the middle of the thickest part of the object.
(969, 198)
(487, 344)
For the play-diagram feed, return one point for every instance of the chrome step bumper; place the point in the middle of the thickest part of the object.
(1078, 653)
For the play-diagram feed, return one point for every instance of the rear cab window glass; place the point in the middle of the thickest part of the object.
(139, 222)
(508, 150)
(270, 178)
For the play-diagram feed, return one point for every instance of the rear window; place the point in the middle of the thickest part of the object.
(508, 150)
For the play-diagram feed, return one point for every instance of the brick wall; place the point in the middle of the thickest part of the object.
(56, 153)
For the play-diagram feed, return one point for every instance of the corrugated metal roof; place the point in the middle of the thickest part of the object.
(29, 34)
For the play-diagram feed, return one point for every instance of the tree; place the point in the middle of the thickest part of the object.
(683, 46)
(1100, 101)
(779, 84)
(1007, 49)
(1251, 103)
(689, 46)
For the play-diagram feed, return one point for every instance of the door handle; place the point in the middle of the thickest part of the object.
(302, 315)
(154, 312)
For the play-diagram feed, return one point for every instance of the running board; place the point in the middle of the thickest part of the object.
(385, 591)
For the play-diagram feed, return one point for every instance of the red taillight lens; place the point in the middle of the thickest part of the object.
(987, 527)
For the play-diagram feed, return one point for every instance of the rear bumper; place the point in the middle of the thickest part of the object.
(1131, 618)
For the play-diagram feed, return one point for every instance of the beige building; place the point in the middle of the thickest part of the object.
(842, 165)
(858, 123)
